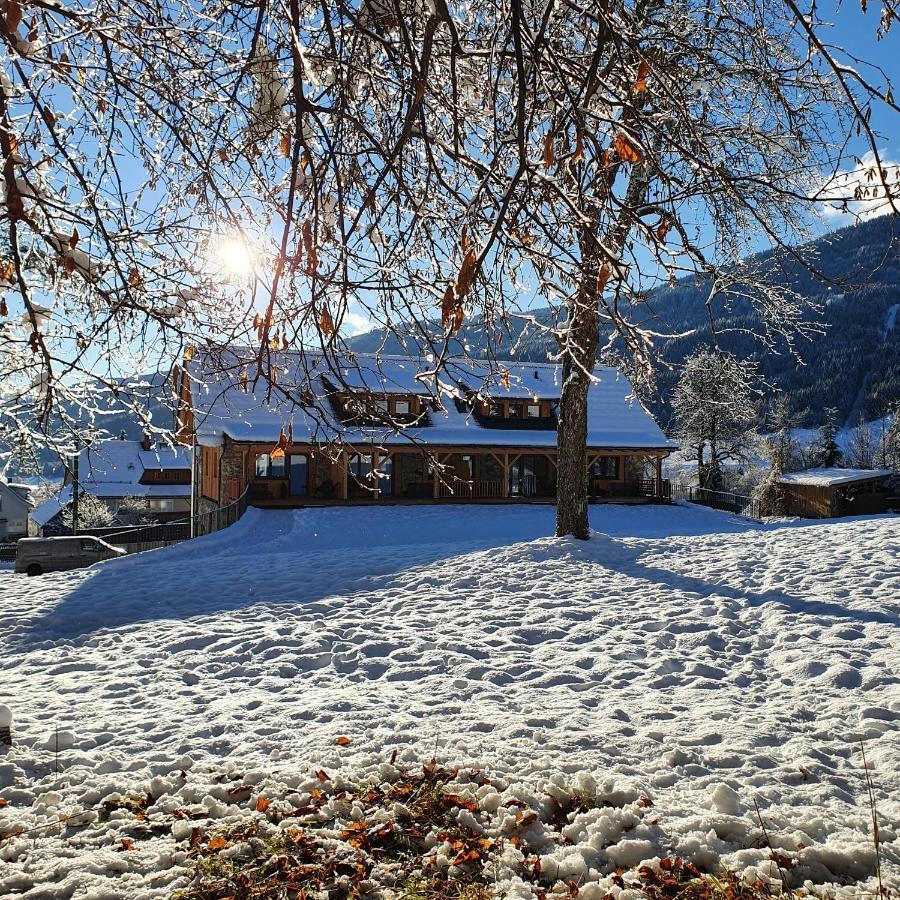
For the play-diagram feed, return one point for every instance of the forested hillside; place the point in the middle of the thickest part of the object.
(854, 366)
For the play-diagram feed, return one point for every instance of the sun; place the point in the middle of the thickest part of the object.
(235, 255)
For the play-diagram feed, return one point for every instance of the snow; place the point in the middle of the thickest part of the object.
(113, 469)
(616, 419)
(829, 477)
(691, 657)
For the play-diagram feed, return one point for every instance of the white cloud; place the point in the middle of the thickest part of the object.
(353, 323)
(863, 189)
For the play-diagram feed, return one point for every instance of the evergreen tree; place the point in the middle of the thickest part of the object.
(783, 454)
(889, 445)
(825, 452)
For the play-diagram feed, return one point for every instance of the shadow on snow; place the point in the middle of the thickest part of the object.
(277, 558)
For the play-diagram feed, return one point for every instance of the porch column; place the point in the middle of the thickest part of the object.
(437, 460)
(345, 465)
(504, 487)
(659, 478)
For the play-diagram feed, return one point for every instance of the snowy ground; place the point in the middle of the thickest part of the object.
(682, 654)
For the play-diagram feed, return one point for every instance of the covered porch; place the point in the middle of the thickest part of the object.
(312, 476)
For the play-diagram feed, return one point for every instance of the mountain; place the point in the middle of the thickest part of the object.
(853, 366)
(150, 391)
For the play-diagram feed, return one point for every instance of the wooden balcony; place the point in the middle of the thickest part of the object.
(457, 489)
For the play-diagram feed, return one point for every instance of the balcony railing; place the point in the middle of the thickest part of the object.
(458, 489)
(644, 487)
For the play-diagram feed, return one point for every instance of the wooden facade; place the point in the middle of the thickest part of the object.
(311, 475)
(512, 457)
(827, 501)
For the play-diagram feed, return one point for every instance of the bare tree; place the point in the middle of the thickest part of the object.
(387, 161)
(577, 153)
(93, 512)
(860, 447)
(714, 408)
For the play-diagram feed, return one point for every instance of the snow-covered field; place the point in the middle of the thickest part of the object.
(700, 660)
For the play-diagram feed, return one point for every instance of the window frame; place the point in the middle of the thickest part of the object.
(269, 474)
(600, 461)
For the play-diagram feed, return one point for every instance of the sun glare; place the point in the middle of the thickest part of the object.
(235, 256)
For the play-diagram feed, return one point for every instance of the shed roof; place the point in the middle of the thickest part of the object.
(830, 477)
(222, 407)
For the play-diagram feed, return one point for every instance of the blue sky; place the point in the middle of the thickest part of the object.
(856, 32)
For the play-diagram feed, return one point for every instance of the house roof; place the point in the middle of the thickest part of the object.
(111, 464)
(829, 477)
(113, 469)
(19, 492)
(222, 407)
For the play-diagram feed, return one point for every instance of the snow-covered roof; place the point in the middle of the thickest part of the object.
(223, 407)
(51, 507)
(113, 469)
(20, 492)
(828, 477)
(124, 463)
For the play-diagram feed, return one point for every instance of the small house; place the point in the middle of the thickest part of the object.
(384, 429)
(15, 505)
(826, 493)
(158, 477)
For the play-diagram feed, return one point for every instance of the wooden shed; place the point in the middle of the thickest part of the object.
(826, 493)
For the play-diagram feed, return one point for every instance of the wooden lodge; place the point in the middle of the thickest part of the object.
(382, 435)
(826, 493)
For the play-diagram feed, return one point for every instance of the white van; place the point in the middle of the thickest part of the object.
(34, 556)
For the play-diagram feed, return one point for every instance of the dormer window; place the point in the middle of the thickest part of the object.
(401, 407)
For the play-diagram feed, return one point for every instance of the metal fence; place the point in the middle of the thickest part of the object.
(725, 500)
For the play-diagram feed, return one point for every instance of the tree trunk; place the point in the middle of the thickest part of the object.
(579, 353)
(579, 349)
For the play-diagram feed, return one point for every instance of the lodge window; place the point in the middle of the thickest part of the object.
(162, 506)
(533, 410)
(386, 476)
(360, 466)
(268, 466)
(515, 410)
(496, 410)
(607, 467)
(401, 407)
(381, 406)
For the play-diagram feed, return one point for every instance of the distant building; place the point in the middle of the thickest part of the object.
(113, 470)
(322, 436)
(826, 493)
(15, 504)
